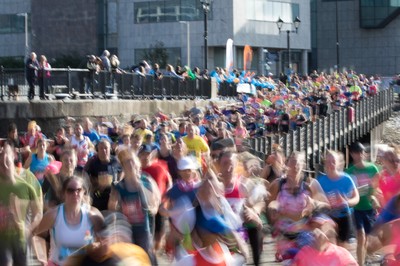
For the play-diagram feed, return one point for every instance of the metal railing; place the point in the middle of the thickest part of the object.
(334, 131)
(123, 85)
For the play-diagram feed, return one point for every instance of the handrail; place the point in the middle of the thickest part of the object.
(100, 84)
(331, 132)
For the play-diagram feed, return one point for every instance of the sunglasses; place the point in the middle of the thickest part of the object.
(73, 190)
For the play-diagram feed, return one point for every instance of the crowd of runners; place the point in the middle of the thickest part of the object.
(102, 191)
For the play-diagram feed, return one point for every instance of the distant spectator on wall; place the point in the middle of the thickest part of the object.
(93, 65)
(105, 59)
(43, 74)
(156, 72)
(31, 67)
(114, 61)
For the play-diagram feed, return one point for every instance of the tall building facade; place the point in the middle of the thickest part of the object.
(54, 28)
(144, 24)
(362, 35)
(131, 28)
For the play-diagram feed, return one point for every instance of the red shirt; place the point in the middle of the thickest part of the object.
(158, 170)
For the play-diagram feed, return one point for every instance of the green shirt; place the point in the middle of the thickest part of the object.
(363, 178)
(14, 212)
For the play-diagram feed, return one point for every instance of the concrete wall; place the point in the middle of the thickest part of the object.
(51, 114)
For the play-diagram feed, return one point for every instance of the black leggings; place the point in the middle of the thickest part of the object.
(256, 243)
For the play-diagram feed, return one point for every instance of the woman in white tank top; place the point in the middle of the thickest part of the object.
(72, 224)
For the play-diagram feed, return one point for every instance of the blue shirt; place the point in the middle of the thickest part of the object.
(343, 186)
(389, 212)
(93, 136)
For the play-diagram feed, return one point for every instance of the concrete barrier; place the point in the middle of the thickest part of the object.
(51, 114)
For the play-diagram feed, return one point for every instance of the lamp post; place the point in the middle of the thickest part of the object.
(206, 7)
(296, 22)
(187, 40)
(337, 37)
(25, 15)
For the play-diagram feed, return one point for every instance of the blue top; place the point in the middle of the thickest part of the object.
(343, 186)
(38, 166)
(390, 212)
(175, 192)
(92, 135)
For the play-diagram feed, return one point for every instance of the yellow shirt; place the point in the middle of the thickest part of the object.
(196, 146)
(143, 132)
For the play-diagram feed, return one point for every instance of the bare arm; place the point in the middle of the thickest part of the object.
(354, 199)
(113, 200)
(28, 161)
(36, 206)
(153, 197)
(51, 158)
(266, 171)
(47, 222)
(97, 219)
(273, 191)
(318, 195)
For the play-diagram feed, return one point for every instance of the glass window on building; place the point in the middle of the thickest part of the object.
(262, 10)
(171, 11)
(167, 11)
(377, 13)
(142, 12)
(219, 56)
(12, 24)
(191, 10)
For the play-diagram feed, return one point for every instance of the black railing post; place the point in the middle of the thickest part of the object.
(252, 143)
(265, 143)
(269, 147)
(2, 83)
(375, 109)
(364, 117)
(322, 133)
(306, 144)
(318, 133)
(285, 144)
(69, 80)
(292, 142)
(312, 142)
(343, 126)
(299, 138)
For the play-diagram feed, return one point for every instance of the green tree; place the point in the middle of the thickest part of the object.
(63, 61)
(12, 62)
(156, 53)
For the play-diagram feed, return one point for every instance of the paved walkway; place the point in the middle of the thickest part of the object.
(267, 257)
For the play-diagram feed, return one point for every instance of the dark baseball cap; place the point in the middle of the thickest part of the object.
(357, 147)
(145, 148)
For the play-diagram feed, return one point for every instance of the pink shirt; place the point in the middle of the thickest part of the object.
(389, 185)
(332, 256)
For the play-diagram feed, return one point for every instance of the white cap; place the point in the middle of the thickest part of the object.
(187, 163)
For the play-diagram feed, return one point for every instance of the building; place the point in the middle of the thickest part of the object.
(131, 28)
(54, 28)
(366, 31)
(142, 24)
